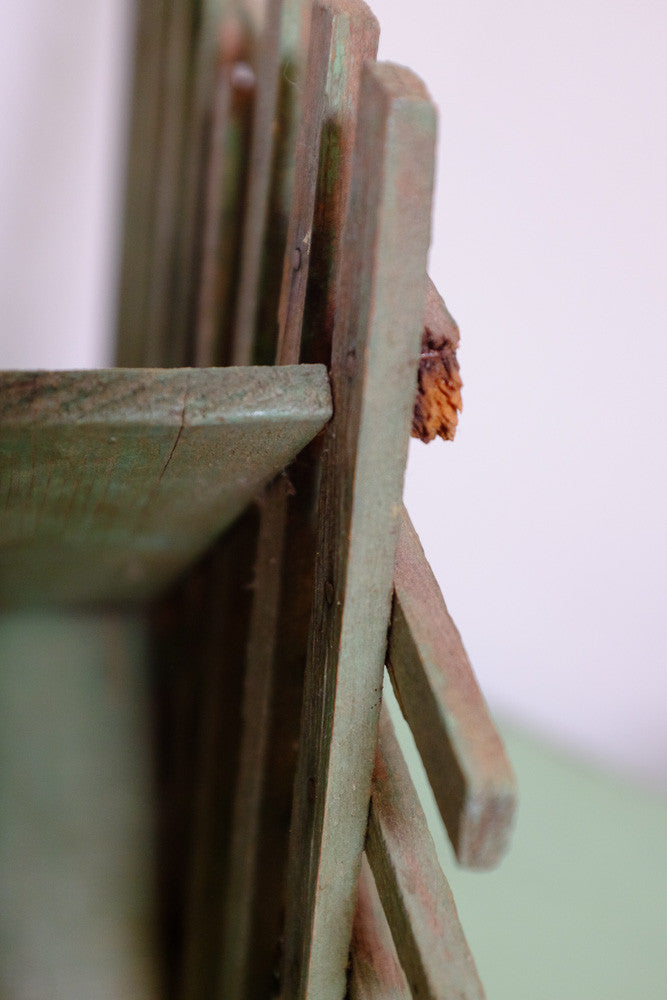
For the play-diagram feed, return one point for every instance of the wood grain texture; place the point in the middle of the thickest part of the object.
(376, 342)
(463, 754)
(113, 481)
(343, 34)
(417, 900)
(375, 971)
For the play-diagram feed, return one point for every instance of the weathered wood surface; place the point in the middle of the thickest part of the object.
(375, 971)
(417, 900)
(255, 889)
(343, 35)
(113, 481)
(463, 754)
(376, 345)
(268, 189)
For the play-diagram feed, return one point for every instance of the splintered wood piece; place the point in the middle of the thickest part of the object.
(375, 351)
(375, 971)
(438, 399)
(140, 182)
(343, 34)
(463, 754)
(284, 33)
(113, 481)
(416, 897)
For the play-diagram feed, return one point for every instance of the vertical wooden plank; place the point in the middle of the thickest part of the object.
(143, 143)
(224, 196)
(168, 179)
(254, 909)
(258, 686)
(415, 895)
(375, 971)
(270, 173)
(463, 754)
(376, 344)
(202, 70)
(343, 35)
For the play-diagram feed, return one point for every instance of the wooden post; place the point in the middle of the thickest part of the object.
(377, 335)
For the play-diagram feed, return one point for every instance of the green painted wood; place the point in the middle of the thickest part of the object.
(462, 752)
(224, 196)
(204, 57)
(114, 481)
(375, 971)
(168, 177)
(242, 889)
(377, 336)
(417, 900)
(343, 35)
(77, 913)
(255, 890)
(279, 69)
(143, 144)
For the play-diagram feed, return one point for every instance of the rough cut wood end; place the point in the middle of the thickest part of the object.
(438, 400)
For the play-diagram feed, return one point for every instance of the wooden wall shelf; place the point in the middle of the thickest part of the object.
(114, 481)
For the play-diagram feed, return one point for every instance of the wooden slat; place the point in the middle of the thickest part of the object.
(224, 196)
(463, 754)
(168, 178)
(202, 70)
(255, 887)
(255, 890)
(113, 481)
(375, 971)
(284, 32)
(143, 145)
(417, 900)
(376, 344)
(343, 35)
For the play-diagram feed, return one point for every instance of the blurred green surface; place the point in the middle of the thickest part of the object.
(578, 908)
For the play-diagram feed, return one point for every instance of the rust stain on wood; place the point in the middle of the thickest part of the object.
(438, 400)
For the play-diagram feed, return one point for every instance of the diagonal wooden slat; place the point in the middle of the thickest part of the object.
(463, 754)
(417, 900)
(375, 971)
(113, 481)
(375, 350)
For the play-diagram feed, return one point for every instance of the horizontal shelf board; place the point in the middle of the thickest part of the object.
(113, 481)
